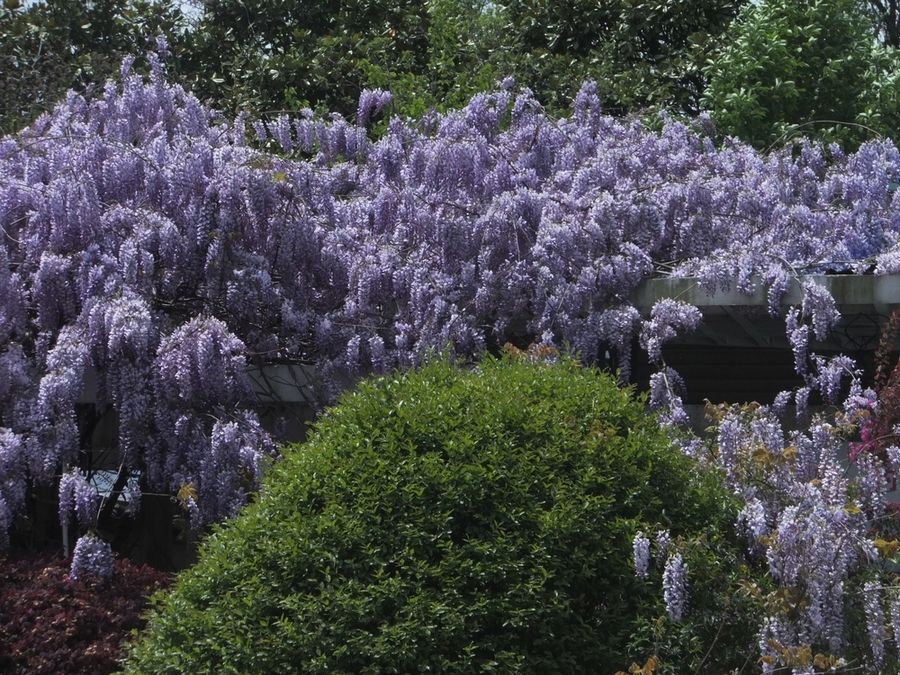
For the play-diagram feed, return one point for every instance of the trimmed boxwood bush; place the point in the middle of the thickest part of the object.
(444, 520)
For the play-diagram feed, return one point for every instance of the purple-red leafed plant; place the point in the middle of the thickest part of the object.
(879, 422)
(52, 624)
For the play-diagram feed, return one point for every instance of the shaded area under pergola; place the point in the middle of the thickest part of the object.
(740, 353)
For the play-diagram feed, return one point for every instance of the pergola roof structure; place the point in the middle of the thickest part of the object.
(740, 352)
(732, 318)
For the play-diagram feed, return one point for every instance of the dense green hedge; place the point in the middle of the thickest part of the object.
(446, 520)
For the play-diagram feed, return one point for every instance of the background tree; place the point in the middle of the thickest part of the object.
(782, 64)
(273, 56)
(812, 68)
(888, 16)
(56, 45)
(270, 56)
(468, 52)
(644, 53)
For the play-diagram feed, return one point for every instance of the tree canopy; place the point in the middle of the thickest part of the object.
(273, 56)
(54, 45)
(804, 68)
(276, 56)
(825, 68)
(648, 53)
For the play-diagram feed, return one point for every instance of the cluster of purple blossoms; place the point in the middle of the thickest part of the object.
(666, 388)
(675, 586)
(754, 521)
(675, 570)
(641, 547)
(149, 246)
(812, 524)
(872, 592)
(663, 543)
(92, 558)
(76, 494)
(668, 319)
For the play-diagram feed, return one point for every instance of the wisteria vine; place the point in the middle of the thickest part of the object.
(158, 247)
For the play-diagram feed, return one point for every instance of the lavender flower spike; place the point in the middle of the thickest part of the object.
(874, 620)
(92, 557)
(641, 555)
(675, 586)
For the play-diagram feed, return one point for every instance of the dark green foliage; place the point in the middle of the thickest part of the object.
(57, 45)
(468, 52)
(448, 521)
(269, 56)
(784, 63)
(719, 633)
(815, 69)
(887, 15)
(642, 53)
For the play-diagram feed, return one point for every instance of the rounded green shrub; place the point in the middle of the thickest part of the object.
(443, 520)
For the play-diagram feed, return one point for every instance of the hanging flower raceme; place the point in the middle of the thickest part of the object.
(641, 555)
(675, 586)
(92, 558)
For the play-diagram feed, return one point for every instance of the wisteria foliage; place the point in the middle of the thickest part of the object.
(153, 244)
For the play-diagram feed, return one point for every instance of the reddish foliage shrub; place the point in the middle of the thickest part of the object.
(878, 427)
(51, 624)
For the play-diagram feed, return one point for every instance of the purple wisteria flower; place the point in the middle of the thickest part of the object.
(372, 102)
(76, 494)
(641, 547)
(821, 307)
(894, 604)
(667, 319)
(872, 591)
(149, 246)
(753, 519)
(675, 586)
(666, 387)
(871, 484)
(830, 375)
(782, 399)
(663, 541)
(133, 497)
(92, 557)
(798, 336)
